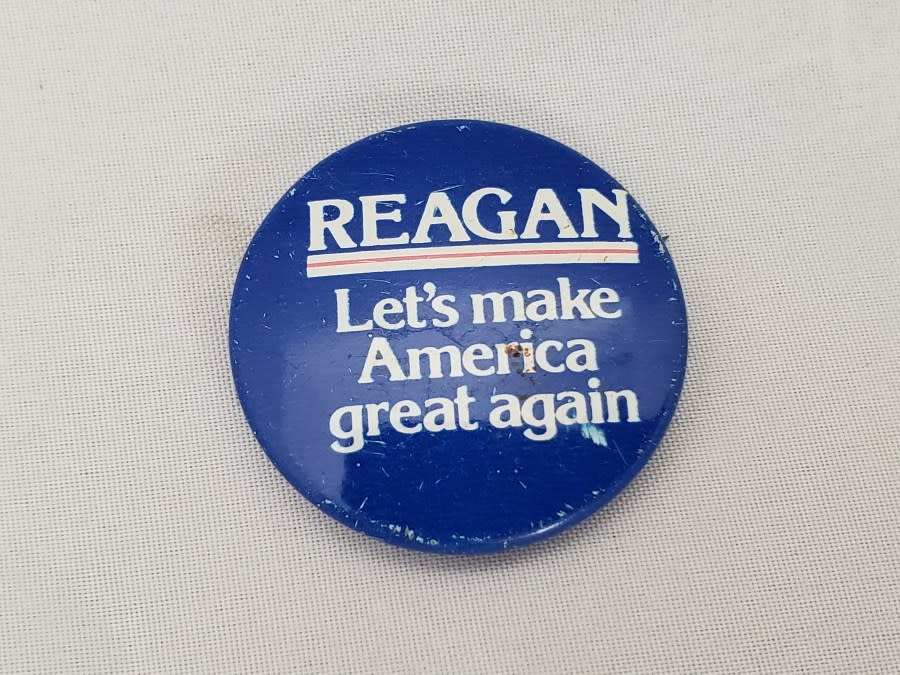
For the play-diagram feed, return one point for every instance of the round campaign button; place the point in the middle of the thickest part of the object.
(458, 336)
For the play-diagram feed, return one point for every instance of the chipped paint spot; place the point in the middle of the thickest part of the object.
(659, 242)
(594, 434)
(462, 537)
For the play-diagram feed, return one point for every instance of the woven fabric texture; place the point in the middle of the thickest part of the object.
(142, 528)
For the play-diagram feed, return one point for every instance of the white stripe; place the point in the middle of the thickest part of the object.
(476, 255)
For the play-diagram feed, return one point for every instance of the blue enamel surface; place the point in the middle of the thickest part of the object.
(452, 491)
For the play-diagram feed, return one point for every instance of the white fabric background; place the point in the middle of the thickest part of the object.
(143, 530)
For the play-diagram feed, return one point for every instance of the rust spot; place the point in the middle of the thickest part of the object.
(521, 397)
(527, 351)
(512, 349)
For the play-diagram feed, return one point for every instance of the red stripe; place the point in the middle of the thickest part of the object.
(332, 263)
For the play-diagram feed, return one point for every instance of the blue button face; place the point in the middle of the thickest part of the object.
(458, 336)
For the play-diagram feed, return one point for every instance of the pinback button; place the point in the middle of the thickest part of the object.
(458, 336)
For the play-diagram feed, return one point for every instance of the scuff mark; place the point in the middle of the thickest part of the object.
(389, 176)
(619, 453)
